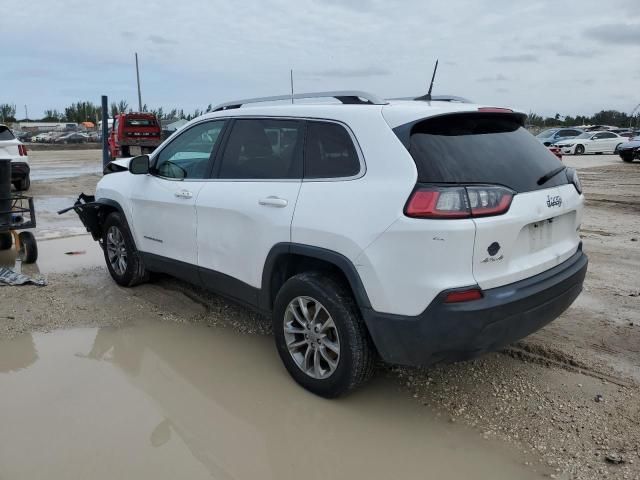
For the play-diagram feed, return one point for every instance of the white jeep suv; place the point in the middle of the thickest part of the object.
(412, 231)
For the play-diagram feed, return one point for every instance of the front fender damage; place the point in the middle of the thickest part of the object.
(90, 213)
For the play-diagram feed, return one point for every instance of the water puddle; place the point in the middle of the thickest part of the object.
(54, 172)
(53, 256)
(176, 401)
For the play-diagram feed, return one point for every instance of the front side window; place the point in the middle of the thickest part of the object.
(263, 149)
(329, 152)
(187, 156)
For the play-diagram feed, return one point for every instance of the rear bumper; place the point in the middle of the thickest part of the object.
(447, 332)
(19, 170)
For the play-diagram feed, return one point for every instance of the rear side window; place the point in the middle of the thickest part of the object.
(5, 133)
(263, 149)
(329, 152)
(480, 148)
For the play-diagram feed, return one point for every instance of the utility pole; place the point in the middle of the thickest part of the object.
(105, 130)
(26, 113)
(138, 78)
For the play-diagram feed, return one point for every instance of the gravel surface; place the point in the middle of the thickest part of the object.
(568, 396)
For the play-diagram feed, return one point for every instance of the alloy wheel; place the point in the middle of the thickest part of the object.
(116, 250)
(311, 337)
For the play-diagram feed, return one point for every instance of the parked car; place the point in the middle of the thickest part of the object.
(552, 135)
(73, 137)
(94, 137)
(623, 132)
(630, 151)
(42, 138)
(411, 231)
(591, 142)
(134, 134)
(556, 151)
(14, 149)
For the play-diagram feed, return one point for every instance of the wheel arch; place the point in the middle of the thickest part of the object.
(288, 259)
(93, 215)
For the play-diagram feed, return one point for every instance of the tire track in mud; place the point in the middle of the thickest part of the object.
(551, 357)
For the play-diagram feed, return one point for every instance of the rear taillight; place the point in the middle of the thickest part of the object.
(22, 150)
(463, 296)
(458, 202)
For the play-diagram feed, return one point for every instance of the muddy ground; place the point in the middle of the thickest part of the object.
(564, 403)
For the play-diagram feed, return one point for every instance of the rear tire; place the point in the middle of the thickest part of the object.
(6, 241)
(22, 185)
(579, 150)
(326, 301)
(28, 252)
(120, 253)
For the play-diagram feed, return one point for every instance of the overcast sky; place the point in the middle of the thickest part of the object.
(546, 56)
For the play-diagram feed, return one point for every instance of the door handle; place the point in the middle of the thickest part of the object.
(273, 202)
(184, 194)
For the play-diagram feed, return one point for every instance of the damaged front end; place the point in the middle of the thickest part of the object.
(90, 213)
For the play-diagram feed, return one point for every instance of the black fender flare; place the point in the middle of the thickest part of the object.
(337, 259)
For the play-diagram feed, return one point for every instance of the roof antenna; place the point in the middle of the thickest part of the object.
(427, 97)
(433, 77)
(291, 71)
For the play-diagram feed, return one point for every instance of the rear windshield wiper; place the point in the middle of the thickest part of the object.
(548, 176)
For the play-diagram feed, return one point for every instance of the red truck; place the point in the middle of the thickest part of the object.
(134, 134)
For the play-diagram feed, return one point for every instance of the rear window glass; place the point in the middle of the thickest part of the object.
(329, 152)
(263, 149)
(140, 122)
(5, 133)
(481, 148)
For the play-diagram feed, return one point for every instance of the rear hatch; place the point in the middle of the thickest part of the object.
(9, 145)
(482, 150)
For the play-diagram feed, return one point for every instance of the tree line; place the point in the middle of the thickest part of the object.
(89, 112)
(603, 117)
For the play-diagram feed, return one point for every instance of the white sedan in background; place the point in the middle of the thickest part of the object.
(591, 142)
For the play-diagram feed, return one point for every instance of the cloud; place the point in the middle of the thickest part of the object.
(494, 78)
(353, 72)
(522, 58)
(158, 40)
(502, 90)
(616, 34)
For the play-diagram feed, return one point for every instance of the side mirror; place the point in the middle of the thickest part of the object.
(139, 165)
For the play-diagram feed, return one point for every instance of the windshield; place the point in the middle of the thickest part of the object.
(481, 148)
(547, 133)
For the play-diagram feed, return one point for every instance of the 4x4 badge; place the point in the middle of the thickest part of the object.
(554, 201)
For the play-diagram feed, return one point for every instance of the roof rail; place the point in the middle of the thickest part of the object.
(436, 98)
(353, 97)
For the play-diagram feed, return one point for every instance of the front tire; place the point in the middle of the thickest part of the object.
(627, 158)
(579, 150)
(123, 259)
(320, 335)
